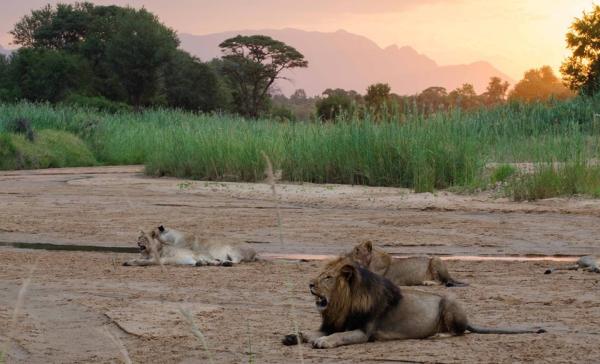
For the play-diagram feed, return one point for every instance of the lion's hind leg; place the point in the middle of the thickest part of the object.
(453, 317)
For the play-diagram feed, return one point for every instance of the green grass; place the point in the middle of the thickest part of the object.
(51, 149)
(424, 153)
(556, 180)
(502, 173)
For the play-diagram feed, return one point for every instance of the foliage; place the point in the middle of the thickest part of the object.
(495, 92)
(139, 48)
(193, 85)
(433, 99)
(301, 106)
(581, 70)
(98, 103)
(556, 180)
(51, 149)
(252, 64)
(502, 173)
(46, 75)
(105, 54)
(539, 85)
(336, 104)
(464, 97)
(21, 126)
(378, 97)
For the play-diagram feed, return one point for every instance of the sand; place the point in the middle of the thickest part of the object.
(85, 306)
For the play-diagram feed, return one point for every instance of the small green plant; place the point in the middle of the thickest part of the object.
(184, 185)
(556, 180)
(502, 173)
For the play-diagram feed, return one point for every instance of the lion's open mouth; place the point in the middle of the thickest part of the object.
(320, 301)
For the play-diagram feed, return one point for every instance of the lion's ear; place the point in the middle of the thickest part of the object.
(153, 234)
(348, 271)
(369, 246)
(161, 229)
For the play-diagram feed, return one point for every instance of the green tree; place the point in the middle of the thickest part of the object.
(140, 47)
(125, 48)
(433, 99)
(495, 92)
(252, 64)
(539, 85)
(47, 75)
(464, 97)
(378, 97)
(193, 85)
(6, 87)
(581, 71)
(336, 103)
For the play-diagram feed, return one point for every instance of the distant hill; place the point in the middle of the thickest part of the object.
(4, 51)
(349, 61)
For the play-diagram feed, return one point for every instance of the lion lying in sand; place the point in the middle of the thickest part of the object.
(218, 250)
(357, 306)
(411, 271)
(587, 263)
(154, 252)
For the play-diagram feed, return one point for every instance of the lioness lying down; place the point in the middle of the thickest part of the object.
(154, 252)
(411, 271)
(223, 251)
(357, 306)
(587, 263)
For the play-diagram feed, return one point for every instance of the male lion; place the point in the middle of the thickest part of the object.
(223, 251)
(357, 306)
(587, 263)
(156, 253)
(411, 271)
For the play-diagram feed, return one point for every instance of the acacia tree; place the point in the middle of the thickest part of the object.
(377, 96)
(252, 64)
(581, 71)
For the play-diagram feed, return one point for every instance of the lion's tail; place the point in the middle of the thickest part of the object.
(439, 269)
(568, 267)
(452, 283)
(493, 330)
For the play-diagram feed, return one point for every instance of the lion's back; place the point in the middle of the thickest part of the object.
(409, 271)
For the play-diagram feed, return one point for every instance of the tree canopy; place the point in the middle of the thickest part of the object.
(581, 70)
(539, 85)
(252, 64)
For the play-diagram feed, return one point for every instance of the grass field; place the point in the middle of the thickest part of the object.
(424, 153)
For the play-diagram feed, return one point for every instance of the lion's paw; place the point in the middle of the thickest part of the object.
(323, 342)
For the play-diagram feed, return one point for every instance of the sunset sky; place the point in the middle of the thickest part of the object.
(514, 35)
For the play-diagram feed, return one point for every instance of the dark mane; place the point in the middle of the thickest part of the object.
(371, 297)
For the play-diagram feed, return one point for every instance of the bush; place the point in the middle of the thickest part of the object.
(502, 173)
(98, 103)
(21, 126)
(556, 180)
(52, 149)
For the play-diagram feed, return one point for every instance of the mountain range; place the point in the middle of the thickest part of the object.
(344, 60)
